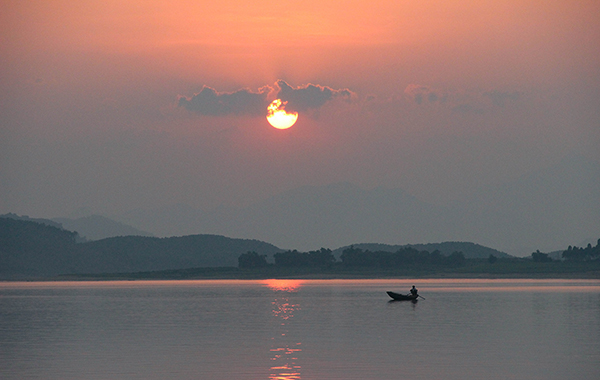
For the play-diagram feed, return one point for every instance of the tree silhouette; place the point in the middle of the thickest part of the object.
(582, 254)
(252, 259)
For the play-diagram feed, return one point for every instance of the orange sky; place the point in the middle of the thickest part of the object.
(259, 41)
(459, 93)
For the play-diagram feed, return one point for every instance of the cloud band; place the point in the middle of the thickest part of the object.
(242, 102)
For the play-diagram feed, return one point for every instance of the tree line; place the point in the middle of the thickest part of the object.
(354, 257)
(291, 258)
(28, 248)
(407, 257)
(582, 254)
(573, 253)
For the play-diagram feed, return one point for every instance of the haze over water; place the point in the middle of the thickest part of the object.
(300, 329)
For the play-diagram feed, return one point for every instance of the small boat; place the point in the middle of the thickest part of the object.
(403, 297)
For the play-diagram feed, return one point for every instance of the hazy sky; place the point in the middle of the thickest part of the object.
(120, 105)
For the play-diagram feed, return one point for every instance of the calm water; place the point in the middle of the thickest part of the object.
(465, 329)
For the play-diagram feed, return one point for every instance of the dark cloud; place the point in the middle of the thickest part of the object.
(310, 96)
(419, 93)
(245, 102)
(241, 102)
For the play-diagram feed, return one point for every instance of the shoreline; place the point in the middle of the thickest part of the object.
(317, 276)
(472, 270)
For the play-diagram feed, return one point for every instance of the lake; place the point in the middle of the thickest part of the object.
(300, 329)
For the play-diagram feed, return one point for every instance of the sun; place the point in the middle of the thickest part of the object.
(278, 117)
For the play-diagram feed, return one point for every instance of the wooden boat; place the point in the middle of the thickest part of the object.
(403, 297)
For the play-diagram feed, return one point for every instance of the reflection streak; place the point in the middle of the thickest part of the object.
(284, 353)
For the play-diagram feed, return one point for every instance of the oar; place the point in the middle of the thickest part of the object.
(420, 296)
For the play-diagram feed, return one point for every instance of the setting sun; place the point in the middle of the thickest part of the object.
(283, 285)
(278, 117)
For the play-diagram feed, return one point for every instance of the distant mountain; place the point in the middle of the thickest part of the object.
(93, 227)
(26, 218)
(546, 209)
(96, 227)
(309, 218)
(138, 253)
(470, 250)
(30, 249)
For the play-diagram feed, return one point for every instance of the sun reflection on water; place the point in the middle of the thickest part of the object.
(283, 285)
(286, 367)
(283, 309)
(285, 349)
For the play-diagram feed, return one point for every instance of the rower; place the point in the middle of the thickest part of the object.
(413, 291)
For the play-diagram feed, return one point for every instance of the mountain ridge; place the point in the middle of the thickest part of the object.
(31, 248)
(517, 216)
(96, 227)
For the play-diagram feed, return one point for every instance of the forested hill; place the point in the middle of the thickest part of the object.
(139, 253)
(470, 250)
(33, 249)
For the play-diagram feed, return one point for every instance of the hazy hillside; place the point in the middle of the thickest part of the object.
(93, 227)
(310, 217)
(26, 218)
(470, 250)
(544, 209)
(137, 253)
(97, 227)
(35, 249)
(31, 249)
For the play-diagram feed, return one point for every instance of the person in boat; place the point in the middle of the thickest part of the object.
(414, 291)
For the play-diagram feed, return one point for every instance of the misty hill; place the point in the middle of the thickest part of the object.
(34, 249)
(544, 209)
(309, 218)
(93, 227)
(26, 218)
(470, 250)
(96, 227)
(137, 253)
(30, 248)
